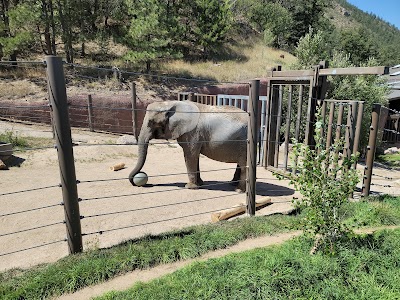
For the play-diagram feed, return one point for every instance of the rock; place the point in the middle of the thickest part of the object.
(127, 140)
(3, 165)
(392, 150)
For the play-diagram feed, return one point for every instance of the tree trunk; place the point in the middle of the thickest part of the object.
(53, 28)
(47, 49)
(66, 31)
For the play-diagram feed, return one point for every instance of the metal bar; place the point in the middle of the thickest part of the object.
(371, 148)
(267, 126)
(339, 123)
(309, 125)
(323, 117)
(58, 99)
(352, 128)
(252, 134)
(287, 132)
(358, 130)
(272, 126)
(347, 136)
(330, 126)
(90, 112)
(278, 126)
(262, 129)
(298, 123)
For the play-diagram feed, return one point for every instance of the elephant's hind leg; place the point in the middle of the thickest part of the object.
(199, 181)
(241, 181)
(236, 176)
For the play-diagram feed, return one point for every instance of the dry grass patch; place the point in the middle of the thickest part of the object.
(17, 89)
(254, 61)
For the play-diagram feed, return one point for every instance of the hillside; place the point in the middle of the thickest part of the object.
(232, 42)
(382, 32)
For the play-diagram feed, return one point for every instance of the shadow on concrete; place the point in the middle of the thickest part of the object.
(263, 189)
(13, 161)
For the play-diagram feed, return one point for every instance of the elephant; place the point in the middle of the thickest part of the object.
(218, 132)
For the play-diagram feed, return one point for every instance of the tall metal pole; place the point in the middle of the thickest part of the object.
(252, 136)
(58, 100)
(371, 148)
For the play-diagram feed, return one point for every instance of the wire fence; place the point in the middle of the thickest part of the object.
(107, 203)
(110, 190)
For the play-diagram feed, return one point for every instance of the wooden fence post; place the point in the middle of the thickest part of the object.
(58, 100)
(371, 148)
(134, 110)
(90, 112)
(272, 123)
(252, 136)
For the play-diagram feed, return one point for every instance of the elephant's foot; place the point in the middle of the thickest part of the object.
(241, 187)
(233, 182)
(191, 185)
(200, 182)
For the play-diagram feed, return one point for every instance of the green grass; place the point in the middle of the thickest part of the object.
(373, 211)
(22, 142)
(77, 271)
(367, 267)
(95, 266)
(391, 160)
(15, 140)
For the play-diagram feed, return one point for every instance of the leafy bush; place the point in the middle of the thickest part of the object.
(325, 181)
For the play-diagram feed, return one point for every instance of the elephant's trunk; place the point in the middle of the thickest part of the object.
(143, 144)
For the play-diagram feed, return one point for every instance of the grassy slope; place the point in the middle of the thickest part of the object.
(251, 59)
(75, 272)
(367, 267)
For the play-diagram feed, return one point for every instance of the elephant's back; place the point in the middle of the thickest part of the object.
(224, 112)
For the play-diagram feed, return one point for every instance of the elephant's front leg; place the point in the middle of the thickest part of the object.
(192, 166)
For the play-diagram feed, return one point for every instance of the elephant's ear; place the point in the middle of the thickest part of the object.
(183, 117)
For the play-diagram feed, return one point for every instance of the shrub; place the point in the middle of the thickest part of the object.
(325, 180)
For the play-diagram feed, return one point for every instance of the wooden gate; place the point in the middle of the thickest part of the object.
(292, 101)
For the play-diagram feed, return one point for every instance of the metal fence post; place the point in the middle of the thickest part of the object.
(58, 100)
(252, 136)
(90, 112)
(371, 148)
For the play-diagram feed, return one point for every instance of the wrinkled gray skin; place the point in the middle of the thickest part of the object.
(190, 123)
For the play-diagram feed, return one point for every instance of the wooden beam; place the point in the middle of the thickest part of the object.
(237, 210)
(302, 74)
(355, 71)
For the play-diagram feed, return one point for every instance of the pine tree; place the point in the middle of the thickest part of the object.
(147, 37)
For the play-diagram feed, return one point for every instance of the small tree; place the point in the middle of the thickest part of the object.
(325, 179)
(148, 36)
(18, 31)
(213, 20)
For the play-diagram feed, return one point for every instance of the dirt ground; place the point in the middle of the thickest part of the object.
(104, 191)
